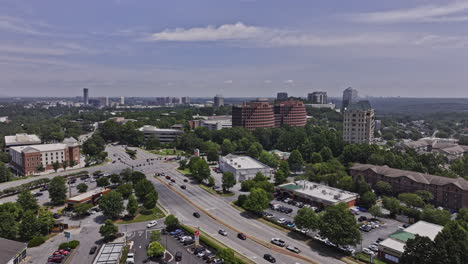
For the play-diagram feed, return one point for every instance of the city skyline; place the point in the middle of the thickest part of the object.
(122, 48)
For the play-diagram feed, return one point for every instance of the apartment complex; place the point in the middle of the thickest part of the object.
(27, 159)
(164, 135)
(350, 96)
(262, 113)
(448, 192)
(358, 123)
(317, 98)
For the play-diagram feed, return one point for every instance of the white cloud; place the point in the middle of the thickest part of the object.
(289, 81)
(267, 81)
(426, 13)
(54, 49)
(228, 81)
(18, 25)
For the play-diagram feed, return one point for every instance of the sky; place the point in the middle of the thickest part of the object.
(408, 48)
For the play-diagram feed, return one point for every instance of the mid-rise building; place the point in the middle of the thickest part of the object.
(263, 114)
(185, 100)
(164, 135)
(107, 101)
(28, 159)
(243, 167)
(350, 96)
(282, 96)
(254, 114)
(216, 124)
(358, 123)
(448, 192)
(317, 195)
(122, 100)
(318, 98)
(291, 113)
(21, 139)
(85, 96)
(218, 100)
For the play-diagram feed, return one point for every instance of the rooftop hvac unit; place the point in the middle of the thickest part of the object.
(324, 192)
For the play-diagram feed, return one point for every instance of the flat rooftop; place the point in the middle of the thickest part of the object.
(243, 162)
(423, 228)
(149, 129)
(40, 147)
(86, 195)
(319, 191)
(22, 139)
(109, 254)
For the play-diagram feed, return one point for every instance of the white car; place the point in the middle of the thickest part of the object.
(293, 249)
(367, 251)
(281, 220)
(130, 258)
(152, 223)
(222, 232)
(374, 248)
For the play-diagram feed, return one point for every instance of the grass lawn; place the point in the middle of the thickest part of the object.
(167, 152)
(157, 214)
(366, 258)
(214, 192)
(185, 171)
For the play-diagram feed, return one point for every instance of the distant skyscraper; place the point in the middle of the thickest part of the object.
(281, 96)
(85, 96)
(318, 98)
(350, 96)
(122, 100)
(185, 100)
(358, 123)
(218, 100)
(107, 101)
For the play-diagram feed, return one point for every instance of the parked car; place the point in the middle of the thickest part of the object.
(152, 223)
(175, 232)
(269, 258)
(374, 248)
(178, 256)
(362, 218)
(222, 232)
(367, 251)
(130, 258)
(38, 194)
(93, 250)
(242, 236)
(278, 242)
(293, 249)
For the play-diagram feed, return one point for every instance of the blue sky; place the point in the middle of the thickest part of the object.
(416, 48)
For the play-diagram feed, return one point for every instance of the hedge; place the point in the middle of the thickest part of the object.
(71, 244)
(26, 186)
(36, 241)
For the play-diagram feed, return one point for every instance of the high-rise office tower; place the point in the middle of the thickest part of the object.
(358, 123)
(350, 96)
(185, 100)
(291, 113)
(85, 96)
(122, 100)
(318, 98)
(107, 101)
(218, 100)
(281, 96)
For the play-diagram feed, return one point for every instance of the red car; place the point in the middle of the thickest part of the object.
(55, 259)
(168, 177)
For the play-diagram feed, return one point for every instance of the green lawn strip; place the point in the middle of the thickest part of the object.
(216, 244)
(157, 214)
(166, 152)
(214, 192)
(366, 258)
(185, 171)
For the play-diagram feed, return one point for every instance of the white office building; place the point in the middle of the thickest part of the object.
(164, 135)
(243, 167)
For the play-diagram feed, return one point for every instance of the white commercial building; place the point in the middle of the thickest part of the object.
(21, 139)
(243, 167)
(216, 124)
(164, 135)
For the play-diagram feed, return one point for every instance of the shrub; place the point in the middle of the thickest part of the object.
(36, 241)
(71, 244)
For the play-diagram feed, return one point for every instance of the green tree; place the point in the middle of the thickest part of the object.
(111, 204)
(339, 225)
(143, 188)
(155, 235)
(375, 211)
(316, 158)
(71, 163)
(383, 188)
(82, 187)
(307, 218)
(367, 200)
(227, 147)
(8, 225)
(29, 227)
(419, 250)
(115, 178)
(64, 165)
(426, 196)
(284, 167)
(295, 160)
(150, 200)
(5, 174)
(255, 150)
(155, 249)
(227, 255)
(257, 200)
(137, 176)
(326, 154)
(361, 186)
(108, 231)
(435, 216)
(228, 181)
(26, 201)
(125, 189)
(40, 168)
(200, 170)
(269, 159)
(102, 182)
(391, 204)
(280, 177)
(171, 222)
(411, 199)
(451, 244)
(132, 205)
(152, 143)
(45, 220)
(346, 183)
(126, 175)
(56, 166)
(57, 190)
(82, 209)
(212, 155)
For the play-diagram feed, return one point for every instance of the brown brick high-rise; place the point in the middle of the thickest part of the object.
(292, 113)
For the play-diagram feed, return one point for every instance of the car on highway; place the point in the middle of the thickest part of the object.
(242, 236)
(269, 258)
(93, 250)
(172, 180)
(293, 249)
(196, 214)
(183, 187)
(152, 224)
(278, 242)
(222, 232)
(168, 177)
(185, 180)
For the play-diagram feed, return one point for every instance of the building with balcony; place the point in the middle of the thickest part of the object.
(358, 123)
(291, 113)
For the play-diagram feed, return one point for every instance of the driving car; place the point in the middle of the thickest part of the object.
(278, 242)
(93, 250)
(242, 236)
(196, 214)
(185, 180)
(222, 232)
(152, 223)
(183, 187)
(293, 249)
(269, 258)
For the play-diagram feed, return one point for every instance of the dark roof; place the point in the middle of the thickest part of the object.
(9, 249)
(413, 175)
(361, 105)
